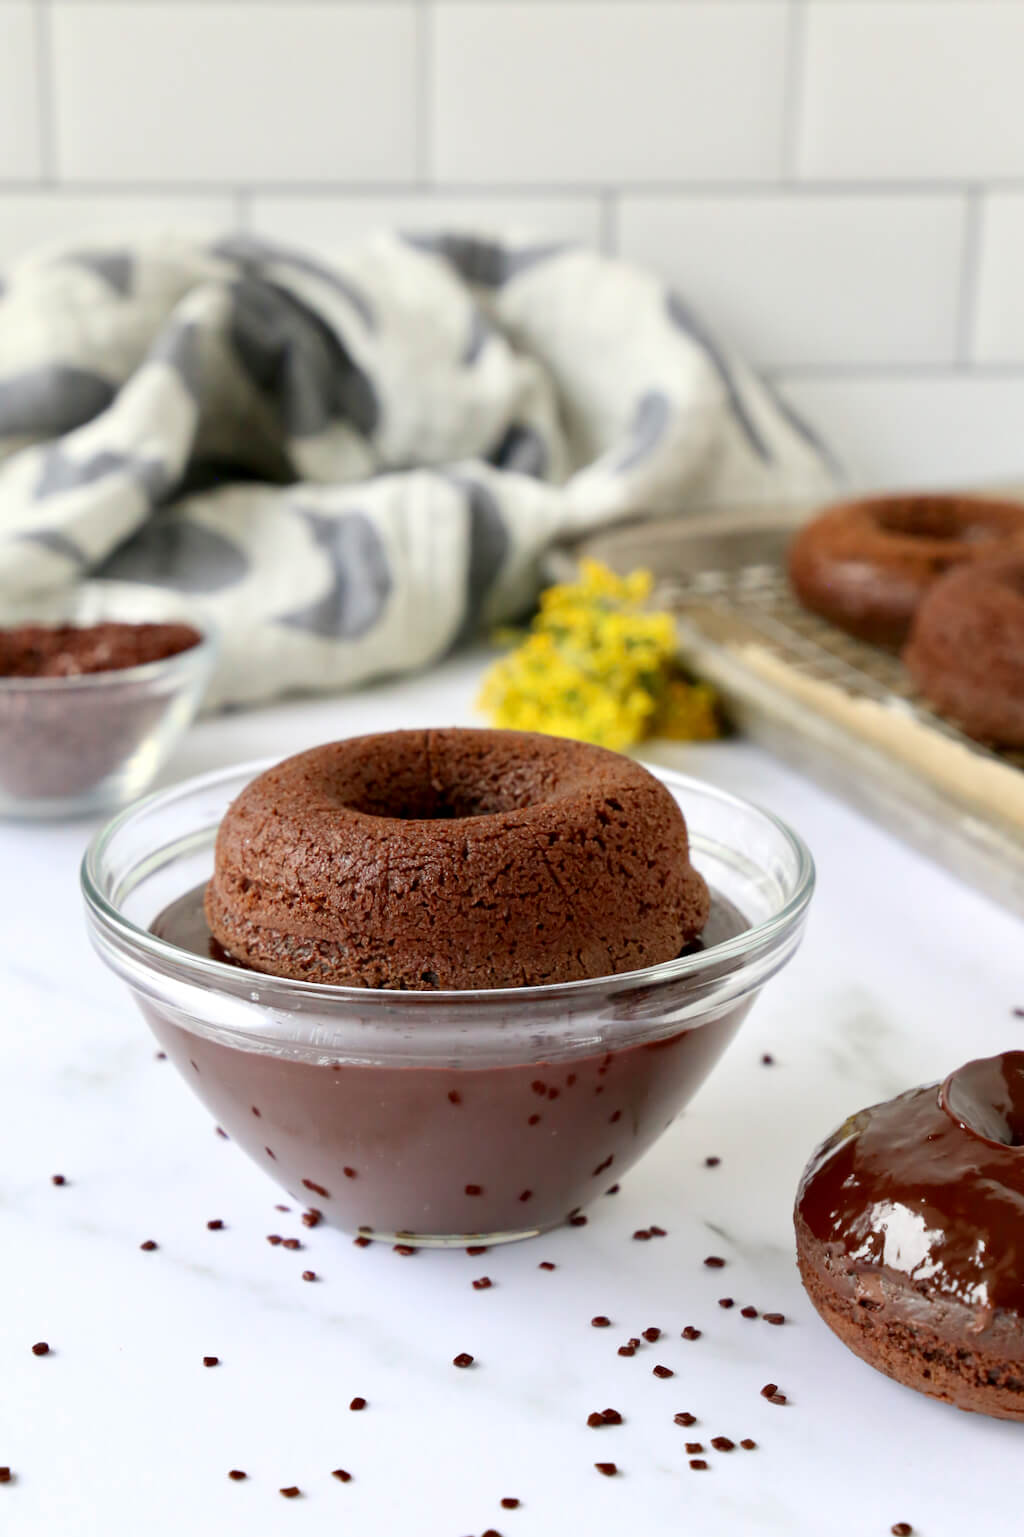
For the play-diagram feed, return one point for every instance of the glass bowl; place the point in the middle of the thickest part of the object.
(443, 1117)
(71, 746)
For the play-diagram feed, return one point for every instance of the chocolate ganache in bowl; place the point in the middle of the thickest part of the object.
(437, 1114)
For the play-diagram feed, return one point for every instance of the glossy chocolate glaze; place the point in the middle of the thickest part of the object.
(928, 1190)
(453, 1150)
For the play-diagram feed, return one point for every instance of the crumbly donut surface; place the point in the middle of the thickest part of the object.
(454, 859)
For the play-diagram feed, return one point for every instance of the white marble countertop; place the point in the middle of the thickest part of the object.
(120, 1430)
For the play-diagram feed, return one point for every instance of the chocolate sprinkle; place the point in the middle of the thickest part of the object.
(650, 1335)
(309, 1275)
(362, 1242)
(42, 1349)
(292, 1492)
(748, 1312)
(694, 1447)
(477, 1248)
(274, 1238)
(220, 1132)
(237, 1475)
(641, 1234)
(698, 1465)
(474, 1189)
(595, 1420)
(463, 1359)
(545, 1264)
(578, 1221)
(311, 1218)
(774, 1318)
(657, 1232)
(748, 1445)
(341, 1475)
(714, 1262)
(600, 1322)
(607, 1468)
(726, 1302)
(612, 1190)
(712, 1162)
(211, 1360)
(685, 1419)
(482, 1284)
(690, 1333)
(358, 1403)
(161, 1056)
(5, 1475)
(902, 1528)
(768, 1060)
(215, 1224)
(627, 1350)
(291, 1243)
(769, 1388)
(723, 1444)
(510, 1503)
(405, 1249)
(611, 1416)
(662, 1371)
(57, 1179)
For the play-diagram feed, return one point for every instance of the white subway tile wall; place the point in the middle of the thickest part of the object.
(838, 184)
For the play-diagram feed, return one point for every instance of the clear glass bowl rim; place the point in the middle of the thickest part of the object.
(278, 991)
(202, 654)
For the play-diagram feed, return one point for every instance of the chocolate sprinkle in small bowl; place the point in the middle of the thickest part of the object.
(97, 684)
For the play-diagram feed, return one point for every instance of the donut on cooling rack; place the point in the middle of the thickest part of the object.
(910, 1236)
(866, 565)
(454, 859)
(966, 650)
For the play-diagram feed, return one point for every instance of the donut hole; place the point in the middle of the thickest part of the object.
(936, 518)
(428, 803)
(986, 1097)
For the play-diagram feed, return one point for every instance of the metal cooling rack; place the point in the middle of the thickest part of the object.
(728, 588)
(756, 604)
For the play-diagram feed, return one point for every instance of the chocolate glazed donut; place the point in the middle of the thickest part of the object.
(910, 1236)
(966, 650)
(866, 565)
(454, 859)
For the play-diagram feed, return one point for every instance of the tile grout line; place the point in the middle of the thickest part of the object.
(424, 89)
(793, 76)
(876, 372)
(46, 127)
(970, 270)
(692, 191)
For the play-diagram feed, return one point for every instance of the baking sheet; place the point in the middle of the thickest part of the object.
(842, 711)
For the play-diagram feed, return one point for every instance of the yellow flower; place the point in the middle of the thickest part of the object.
(598, 665)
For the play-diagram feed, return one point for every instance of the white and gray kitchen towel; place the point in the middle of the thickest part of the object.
(351, 464)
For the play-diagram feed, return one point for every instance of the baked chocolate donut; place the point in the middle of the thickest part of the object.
(910, 1236)
(966, 650)
(454, 859)
(866, 565)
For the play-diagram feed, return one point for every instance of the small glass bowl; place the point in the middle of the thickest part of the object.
(89, 743)
(442, 1117)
